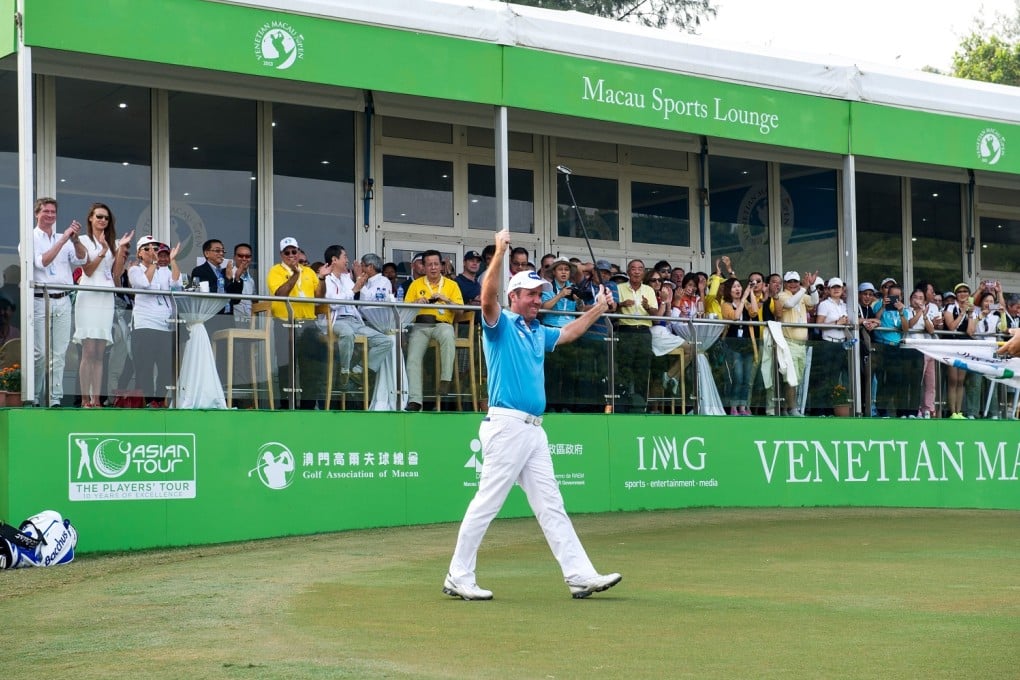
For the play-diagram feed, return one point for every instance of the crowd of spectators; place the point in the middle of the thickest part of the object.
(801, 367)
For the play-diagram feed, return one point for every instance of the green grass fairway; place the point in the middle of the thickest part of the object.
(796, 593)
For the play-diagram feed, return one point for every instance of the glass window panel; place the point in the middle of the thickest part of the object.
(1000, 244)
(810, 210)
(598, 201)
(658, 158)
(418, 191)
(936, 213)
(999, 196)
(739, 205)
(422, 130)
(104, 152)
(213, 188)
(10, 235)
(879, 228)
(485, 138)
(313, 177)
(482, 198)
(585, 148)
(660, 214)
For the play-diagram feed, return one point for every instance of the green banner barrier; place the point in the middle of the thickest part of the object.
(900, 134)
(259, 42)
(640, 96)
(146, 478)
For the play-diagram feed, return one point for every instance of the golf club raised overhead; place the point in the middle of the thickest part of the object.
(566, 172)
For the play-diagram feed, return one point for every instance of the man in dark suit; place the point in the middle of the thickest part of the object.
(220, 280)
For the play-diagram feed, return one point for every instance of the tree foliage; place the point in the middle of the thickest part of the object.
(684, 14)
(991, 53)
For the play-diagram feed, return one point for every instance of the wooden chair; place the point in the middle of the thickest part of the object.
(330, 339)
(464, 330)
(258, 333)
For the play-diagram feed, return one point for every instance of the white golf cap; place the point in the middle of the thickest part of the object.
(835, 281)
(288, 241)
(791, 276)
(529, 280)
(146, 240)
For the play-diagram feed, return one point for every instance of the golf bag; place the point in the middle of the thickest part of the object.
(42, 540)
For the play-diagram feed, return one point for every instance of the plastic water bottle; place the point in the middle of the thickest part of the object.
(400, 293)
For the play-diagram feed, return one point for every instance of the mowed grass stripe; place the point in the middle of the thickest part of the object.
(707, 593)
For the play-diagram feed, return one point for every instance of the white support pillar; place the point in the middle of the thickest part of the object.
(26, 201)
(502, 146)
(853, 277)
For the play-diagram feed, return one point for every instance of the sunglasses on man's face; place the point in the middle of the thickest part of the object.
(290, 252)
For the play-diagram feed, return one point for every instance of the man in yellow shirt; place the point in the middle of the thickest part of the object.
(292, 280)
(434, 323)
(635, 353)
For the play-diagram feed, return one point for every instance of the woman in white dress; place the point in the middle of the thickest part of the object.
(93, 311)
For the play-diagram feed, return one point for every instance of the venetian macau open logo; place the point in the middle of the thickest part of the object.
(991, 146)
(107, 466)
(278, 45)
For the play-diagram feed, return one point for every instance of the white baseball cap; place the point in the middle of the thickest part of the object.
(289, 241)
(791, 276)
(529, 280)
(835, 281)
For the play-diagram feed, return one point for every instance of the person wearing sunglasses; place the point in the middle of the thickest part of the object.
(105, 256)
(289, 279)
(221, 277)
(152, 340)
(243, 274)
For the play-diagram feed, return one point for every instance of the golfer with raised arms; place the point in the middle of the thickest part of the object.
(514, 445)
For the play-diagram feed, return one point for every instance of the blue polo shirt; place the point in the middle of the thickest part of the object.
(515, 356)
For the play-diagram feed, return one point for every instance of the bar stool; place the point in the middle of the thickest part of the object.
(258, 333)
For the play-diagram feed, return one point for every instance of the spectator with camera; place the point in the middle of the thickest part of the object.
(564, 296)
(431, 324)
(893, 364)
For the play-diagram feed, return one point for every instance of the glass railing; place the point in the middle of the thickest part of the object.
(189, 349)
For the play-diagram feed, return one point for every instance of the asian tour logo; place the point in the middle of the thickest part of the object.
(274, 466)
(991, 146)
(278, 45)
(130, 466)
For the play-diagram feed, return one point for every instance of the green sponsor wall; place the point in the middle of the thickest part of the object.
(157, 478)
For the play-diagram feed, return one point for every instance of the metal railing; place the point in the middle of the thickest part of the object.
(614, 371)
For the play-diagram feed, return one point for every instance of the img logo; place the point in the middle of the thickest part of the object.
(278, 45)
(130, 466)
(991, 146)
(274, 466)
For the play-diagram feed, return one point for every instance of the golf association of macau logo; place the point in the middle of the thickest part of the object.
(278, 45)
(991, 146)
(274, 466)
(130, 466)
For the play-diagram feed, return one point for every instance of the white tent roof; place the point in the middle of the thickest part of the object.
(584, 35)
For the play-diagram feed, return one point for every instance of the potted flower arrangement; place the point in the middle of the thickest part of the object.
(839, 398)
(10, 385)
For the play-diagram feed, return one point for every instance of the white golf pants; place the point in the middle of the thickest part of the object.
(515, 451)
